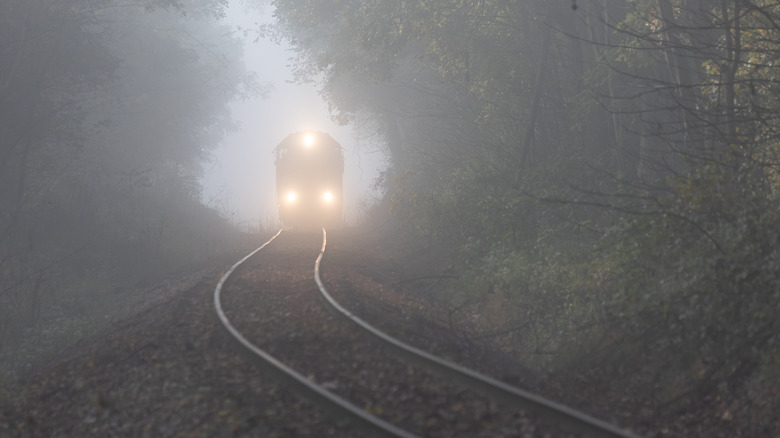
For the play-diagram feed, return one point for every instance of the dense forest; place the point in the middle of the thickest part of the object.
(605, 171)
(603, 174)
(108, 111)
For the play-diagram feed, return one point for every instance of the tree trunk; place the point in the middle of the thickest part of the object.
(528, 155)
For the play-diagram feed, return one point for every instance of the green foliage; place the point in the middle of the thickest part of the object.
(107, 112)
(609, 173)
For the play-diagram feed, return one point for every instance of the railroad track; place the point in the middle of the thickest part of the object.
(341, 363)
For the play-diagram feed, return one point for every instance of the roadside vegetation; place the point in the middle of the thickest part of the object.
(107, 112)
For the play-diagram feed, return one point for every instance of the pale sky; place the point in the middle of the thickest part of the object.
(240, 179)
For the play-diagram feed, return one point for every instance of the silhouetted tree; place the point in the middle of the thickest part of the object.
(107, 112)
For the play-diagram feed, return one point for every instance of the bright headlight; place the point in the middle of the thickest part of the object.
(291, 197)
(308, 140)
(327, 197)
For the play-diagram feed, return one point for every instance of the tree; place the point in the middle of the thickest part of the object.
(108, 112)
(612, 167)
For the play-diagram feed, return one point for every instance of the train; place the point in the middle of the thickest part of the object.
(310, 180)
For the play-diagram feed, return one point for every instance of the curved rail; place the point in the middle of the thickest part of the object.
(325, 399)
(575, 420)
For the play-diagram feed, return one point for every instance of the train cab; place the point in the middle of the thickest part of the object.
(309, 180)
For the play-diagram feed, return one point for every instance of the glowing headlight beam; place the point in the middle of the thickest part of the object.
(291, 197)
(327, 197)
(308, 140)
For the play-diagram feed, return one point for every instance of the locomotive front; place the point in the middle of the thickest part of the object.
(309, 180)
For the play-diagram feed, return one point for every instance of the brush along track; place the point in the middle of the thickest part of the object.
(329, 354)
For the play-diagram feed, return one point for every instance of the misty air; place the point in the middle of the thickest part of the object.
(431, 218)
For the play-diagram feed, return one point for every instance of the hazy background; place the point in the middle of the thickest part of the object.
(600, 179)
(239, 181)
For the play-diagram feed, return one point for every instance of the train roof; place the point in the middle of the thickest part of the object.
(305, 137)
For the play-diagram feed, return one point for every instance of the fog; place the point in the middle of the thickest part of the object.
(239, 179)
(597, 182)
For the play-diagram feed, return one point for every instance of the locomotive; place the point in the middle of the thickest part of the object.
(309, 180)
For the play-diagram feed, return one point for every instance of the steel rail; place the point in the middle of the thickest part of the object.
(558, 413)
(327, 400)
